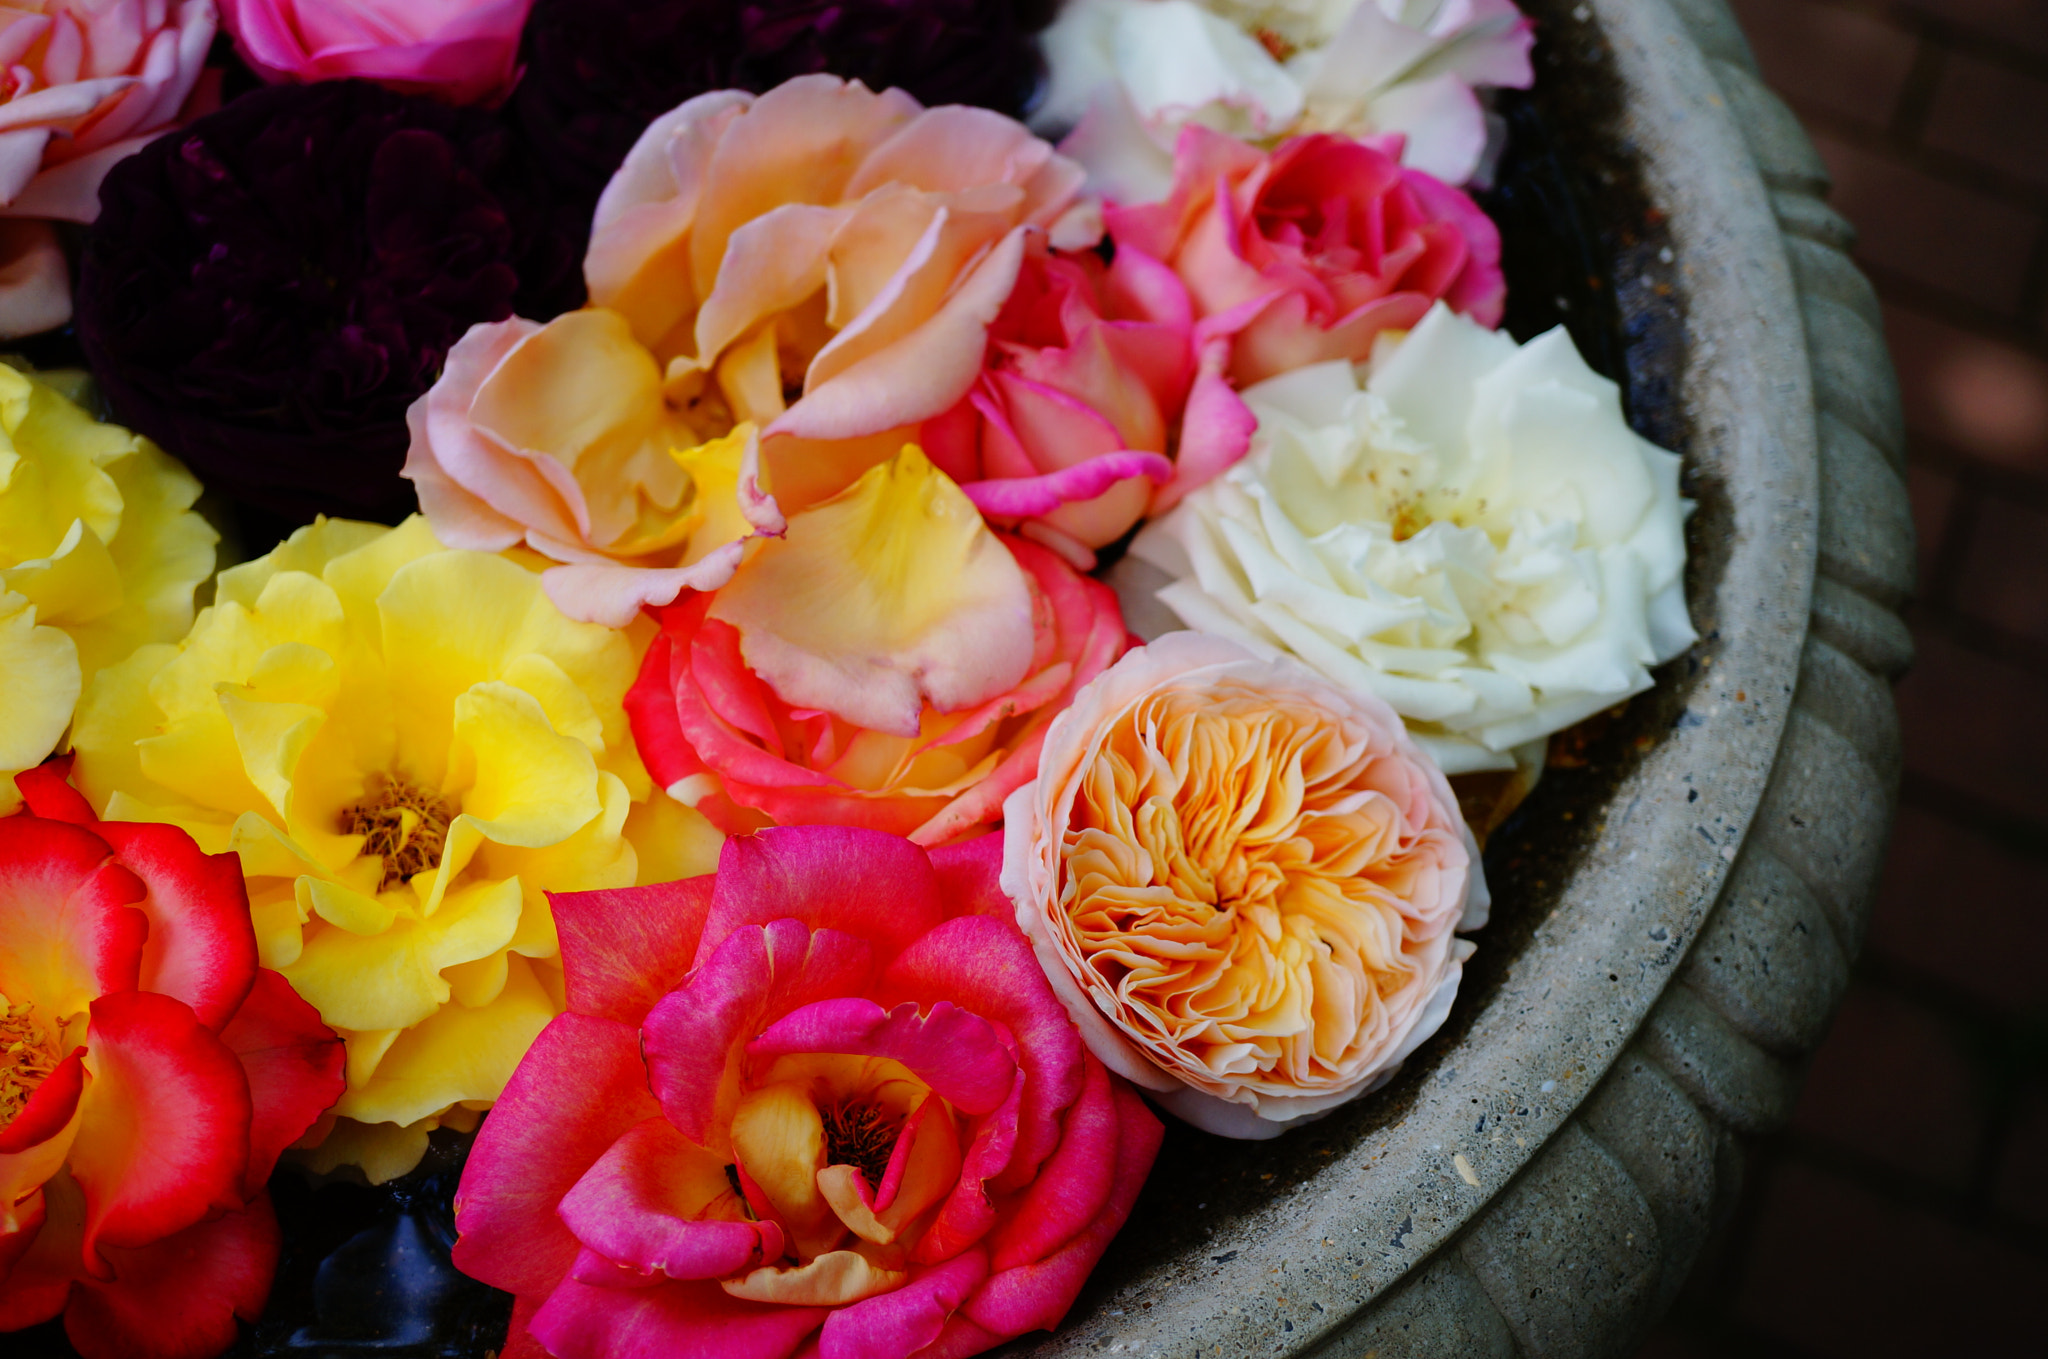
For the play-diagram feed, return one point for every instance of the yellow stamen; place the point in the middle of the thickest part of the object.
(27, 1057)
(401, 824)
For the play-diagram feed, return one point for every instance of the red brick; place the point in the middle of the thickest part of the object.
(1991, 114)
(1946, 236)
(1934, 496)
(1974, 722)
(2021, 1189)
(1981, 396)
(2004, 576)
(1867, 58)
(1959, 906)
(1845, 1274)
(1882, 1045)
(2021, 22)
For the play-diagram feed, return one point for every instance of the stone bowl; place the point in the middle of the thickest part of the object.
(1674, 921)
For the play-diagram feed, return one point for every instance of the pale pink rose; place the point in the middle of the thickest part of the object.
(1099, 404)
(1244, 882)
(825, 261)
(461, 51)
(87, 82)
(1308, 252)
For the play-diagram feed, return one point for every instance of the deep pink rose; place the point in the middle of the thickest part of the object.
(718, 736)
(1306, 253)
(823, 1098)
(461, 51)
(1097, 406)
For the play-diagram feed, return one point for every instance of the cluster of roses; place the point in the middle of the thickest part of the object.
(740, 777)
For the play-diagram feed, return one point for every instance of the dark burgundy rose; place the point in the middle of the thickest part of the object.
(598, 71)
(268, 288)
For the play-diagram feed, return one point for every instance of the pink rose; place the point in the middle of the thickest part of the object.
(461, 51)
(1097, 405)
(822, 1100)
(1307, 253)
(1244, 882)
(87, 83)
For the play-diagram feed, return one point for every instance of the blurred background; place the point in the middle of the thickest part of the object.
(1905, 1211)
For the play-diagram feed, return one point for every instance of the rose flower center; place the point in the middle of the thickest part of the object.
(400, 823)
(862, 1134)
(27, 1057)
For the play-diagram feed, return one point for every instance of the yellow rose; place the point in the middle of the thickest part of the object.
(408, 746)
(99, 554)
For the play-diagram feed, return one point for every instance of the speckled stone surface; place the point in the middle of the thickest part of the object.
(1676, 931)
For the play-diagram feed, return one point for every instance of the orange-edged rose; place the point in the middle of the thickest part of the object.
(150, 1073)
(889, 663)
(1244, 882)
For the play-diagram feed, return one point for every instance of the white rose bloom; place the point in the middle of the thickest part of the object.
(1127, 75)
(1476, 536)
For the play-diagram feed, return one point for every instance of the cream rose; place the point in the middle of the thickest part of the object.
(1127, 75)
(1243, 881)
(1476, 536)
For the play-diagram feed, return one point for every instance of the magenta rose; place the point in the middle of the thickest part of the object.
(823, 1095)
(460, 51)
(1308, 252)
(1099, 403)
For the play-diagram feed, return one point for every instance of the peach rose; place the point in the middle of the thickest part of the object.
(818, 267)
(1244, 882)
(825, 261)
(462, 51)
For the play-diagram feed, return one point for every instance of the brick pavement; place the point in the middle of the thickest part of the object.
(1906, 1209)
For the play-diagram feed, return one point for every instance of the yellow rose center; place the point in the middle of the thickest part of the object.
(27, 1057)
(860, 1133)
(402, 824)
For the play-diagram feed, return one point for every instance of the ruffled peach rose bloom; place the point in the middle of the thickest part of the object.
(821, 262)
(1245, 883)
(83, 84)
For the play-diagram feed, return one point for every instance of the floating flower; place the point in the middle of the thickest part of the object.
(825, 1091)
(463, 51)
(599, 71)
(1310, 252)
(1243, 882)
(407, 745)
(150, 1073)
(1097, 406)
(271, 287)
(558, 436)
(1128, 75)
(1476, 536)
(820, 264)
(890, 663)
(99, 554)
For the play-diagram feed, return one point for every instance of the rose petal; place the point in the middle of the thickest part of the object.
(889, 596)
(1072, 1185)
(162, 1137)
(828, 878)
(68, 930)
(906, 1320)
(201, 947)
(690, 1319)
(1026, 497)
(625, 948)
(955, 1052)
(661, 1205)
(986, 966)
(579, 1088)
(294, 1065)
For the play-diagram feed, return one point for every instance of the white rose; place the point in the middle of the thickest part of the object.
(1476, 536)
(1127, 75)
